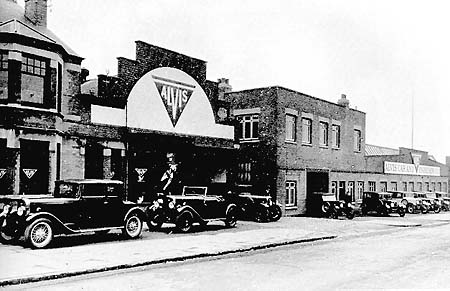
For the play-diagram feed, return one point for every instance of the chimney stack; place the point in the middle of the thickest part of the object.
(343, 101)
(224, 87)
(36, 12)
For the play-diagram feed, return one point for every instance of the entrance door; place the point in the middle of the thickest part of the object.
(315, 182)
(93, 165)
(34, 166)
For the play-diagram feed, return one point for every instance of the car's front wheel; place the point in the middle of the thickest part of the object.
(39, 234)
(231, 218)
(184, 222)
(275, 213)
(8, 234)
(401, 211)
(133, 226)
(410, 208)
(437, 209)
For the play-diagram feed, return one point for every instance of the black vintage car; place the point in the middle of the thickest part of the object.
(77, 206)
(381, 203)
(326, 204)
(193, 205)
(260, 208)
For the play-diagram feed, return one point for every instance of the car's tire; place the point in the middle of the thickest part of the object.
(8, 238)
(401, 212)
(424, 210)
(350, 214)
(133, 226)
(260, 216)
(437, 209)
(184, 222)
(39, 234)
(275, 213)
(410, 208)
(154, 224)
(231, 217)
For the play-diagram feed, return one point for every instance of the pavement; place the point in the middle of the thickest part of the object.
(86, 254)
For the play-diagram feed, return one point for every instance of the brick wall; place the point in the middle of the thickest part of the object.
(72, 159)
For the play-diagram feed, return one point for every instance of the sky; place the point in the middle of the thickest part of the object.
(391, 58)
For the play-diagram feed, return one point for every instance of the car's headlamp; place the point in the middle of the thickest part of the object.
(6, 208)
(160, 201)
(156, 204)
(388, 206)
(21, 210)
(171, 205)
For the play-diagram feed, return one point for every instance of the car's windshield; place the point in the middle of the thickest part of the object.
(66, 190)
(385, 196)
(397, 195)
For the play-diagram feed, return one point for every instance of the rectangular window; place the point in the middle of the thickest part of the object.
(383, 186)
(419, 186)
(33, 65)
(427, 186)
(433, 186)
(323, 128)
(394, 186)
(360, 190)
(357, 140)
(372, 186)
(291, 193)
(291, 127)
(333, 187)
(439, 187)
(248, 127)
(351, 189)
(444, 187)
(336, 136)
(306, 130)
(3, 61)
(404, 186)
(411, 186)
(244, 172)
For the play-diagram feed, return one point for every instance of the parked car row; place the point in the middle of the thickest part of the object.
(401, 202)
(91, 205)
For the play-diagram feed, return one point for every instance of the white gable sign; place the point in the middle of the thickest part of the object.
(169, 100)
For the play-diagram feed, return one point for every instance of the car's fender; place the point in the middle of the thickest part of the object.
(229, 207)
(138, 210)
(59, 226)
(186, 208)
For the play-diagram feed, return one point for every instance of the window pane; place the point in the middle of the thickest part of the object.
(247, 129)
(30, 62)
(255, 130)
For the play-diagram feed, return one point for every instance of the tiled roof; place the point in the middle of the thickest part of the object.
(13, 20)
(373, 150)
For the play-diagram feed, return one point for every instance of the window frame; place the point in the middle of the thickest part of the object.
(323, 134)
(359, 190)
(291, 194)
(4, 59)
(306, 131)
(42, 66)
(372, 186)
(291, 127)
(252, 120)
(335, 136)
(357, 137)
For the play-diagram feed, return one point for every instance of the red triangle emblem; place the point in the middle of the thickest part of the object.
(175, 96)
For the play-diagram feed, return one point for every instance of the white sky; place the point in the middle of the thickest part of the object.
(381, 54)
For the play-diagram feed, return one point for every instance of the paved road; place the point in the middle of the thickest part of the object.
(408, 258)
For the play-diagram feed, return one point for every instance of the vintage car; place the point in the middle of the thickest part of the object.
(327, 205)
(430, 203)
(194, 205)
(260, 208)
(76, 206)
(444, 198)
(381, 203)
(412, 203)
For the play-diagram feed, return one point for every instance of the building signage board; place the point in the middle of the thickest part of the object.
(410, 169)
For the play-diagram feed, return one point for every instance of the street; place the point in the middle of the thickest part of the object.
(404, 257)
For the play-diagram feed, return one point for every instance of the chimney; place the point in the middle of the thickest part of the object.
(84, 74)
(224, 87)
(36, 12)
(343, 101)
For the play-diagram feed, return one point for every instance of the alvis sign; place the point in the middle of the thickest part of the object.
(411, 169)
(175, 96)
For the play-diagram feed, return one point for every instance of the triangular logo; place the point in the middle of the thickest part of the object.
(416, 160)
(2, 173)
(141, 172)
(29, 172)
(175, 96)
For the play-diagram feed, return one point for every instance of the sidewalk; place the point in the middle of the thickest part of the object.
(20, 265)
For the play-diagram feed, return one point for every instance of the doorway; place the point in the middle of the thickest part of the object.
(34, 166)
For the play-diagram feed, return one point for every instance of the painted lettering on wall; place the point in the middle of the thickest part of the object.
(410, 169)
(175, 96)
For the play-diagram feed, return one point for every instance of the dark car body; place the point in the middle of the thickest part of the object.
(432, 204)
(195, 205)
(77, 206)
(260, 208)
(325, 204)
(444, 199)
(381, 203)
